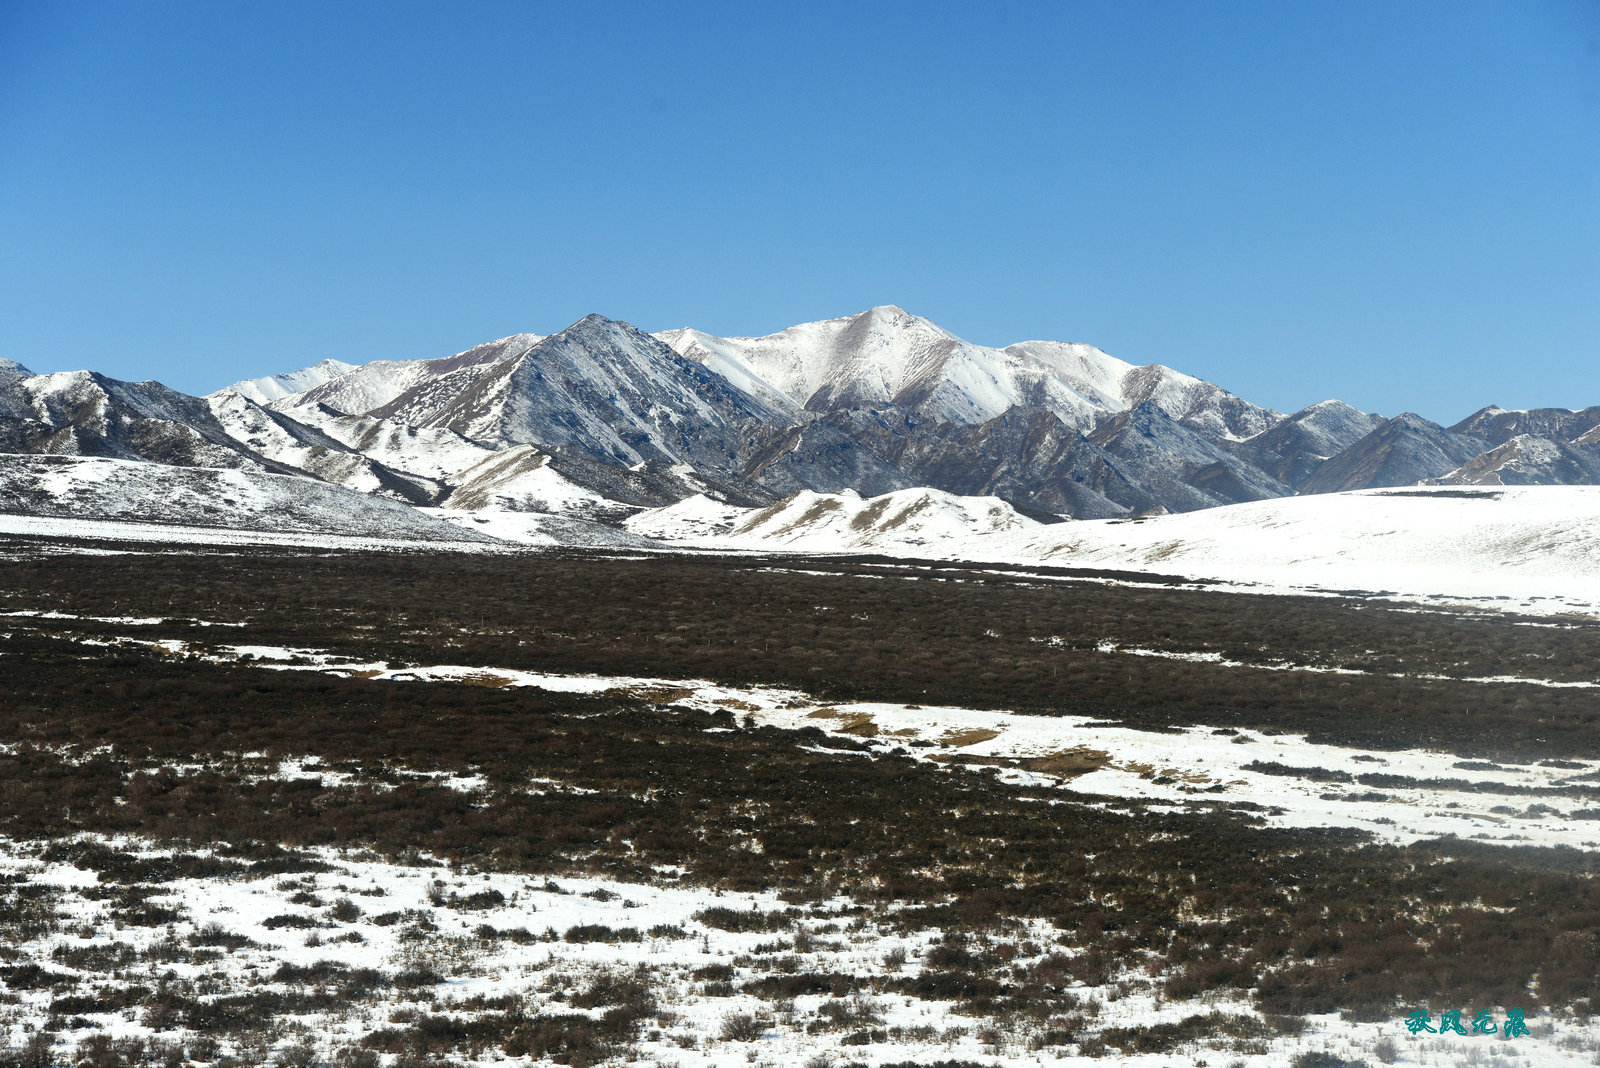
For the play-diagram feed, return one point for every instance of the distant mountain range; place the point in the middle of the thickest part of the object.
(602, 421)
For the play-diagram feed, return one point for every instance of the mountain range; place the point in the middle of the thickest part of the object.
(602, 421)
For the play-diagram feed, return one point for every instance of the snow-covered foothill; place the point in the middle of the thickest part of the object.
(1527, 547)
(521, 479)
(696, 516)
(905, 520)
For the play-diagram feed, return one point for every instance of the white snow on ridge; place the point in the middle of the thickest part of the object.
(697, 516)
(375, 384)
(887, 355)
(433, 453)
(276, 387)
(918, 519)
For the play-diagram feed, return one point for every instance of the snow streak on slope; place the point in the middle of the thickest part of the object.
(305, 448)
(913, 519)
(376, 384)
(276, 387)
(432, 453)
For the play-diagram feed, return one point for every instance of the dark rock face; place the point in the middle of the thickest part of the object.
(1496, 426)
(1402, 452)
(1179, 467)
(1301, 443)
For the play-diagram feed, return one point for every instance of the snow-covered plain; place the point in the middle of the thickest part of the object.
(1525, 549)
(156, 535)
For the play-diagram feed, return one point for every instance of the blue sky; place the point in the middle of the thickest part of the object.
(1396, 204)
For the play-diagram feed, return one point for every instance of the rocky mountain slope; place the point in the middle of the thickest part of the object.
(124, 491)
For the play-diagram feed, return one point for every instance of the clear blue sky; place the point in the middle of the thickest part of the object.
(1396, 204)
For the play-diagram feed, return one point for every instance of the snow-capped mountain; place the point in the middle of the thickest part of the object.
(80, 413)
(888, 357)
(599, 387)
(276, 387)
(1301, 443)
(1178, 466)
(1497, 425)
(600, 422)
(1529, 460)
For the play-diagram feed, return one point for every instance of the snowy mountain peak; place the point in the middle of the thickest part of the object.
(276, 387)
(600, 388)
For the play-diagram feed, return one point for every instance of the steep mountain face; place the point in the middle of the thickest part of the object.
(277, 387)
(1027, 456)
(1180, 467)
(1401, 452)
(827, 454)
(600, 388)
(1297, 446)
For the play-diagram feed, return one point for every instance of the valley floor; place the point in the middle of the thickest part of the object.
(306, 806)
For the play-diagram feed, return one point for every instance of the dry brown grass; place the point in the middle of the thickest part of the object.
(1066, 763)
(959, 739)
